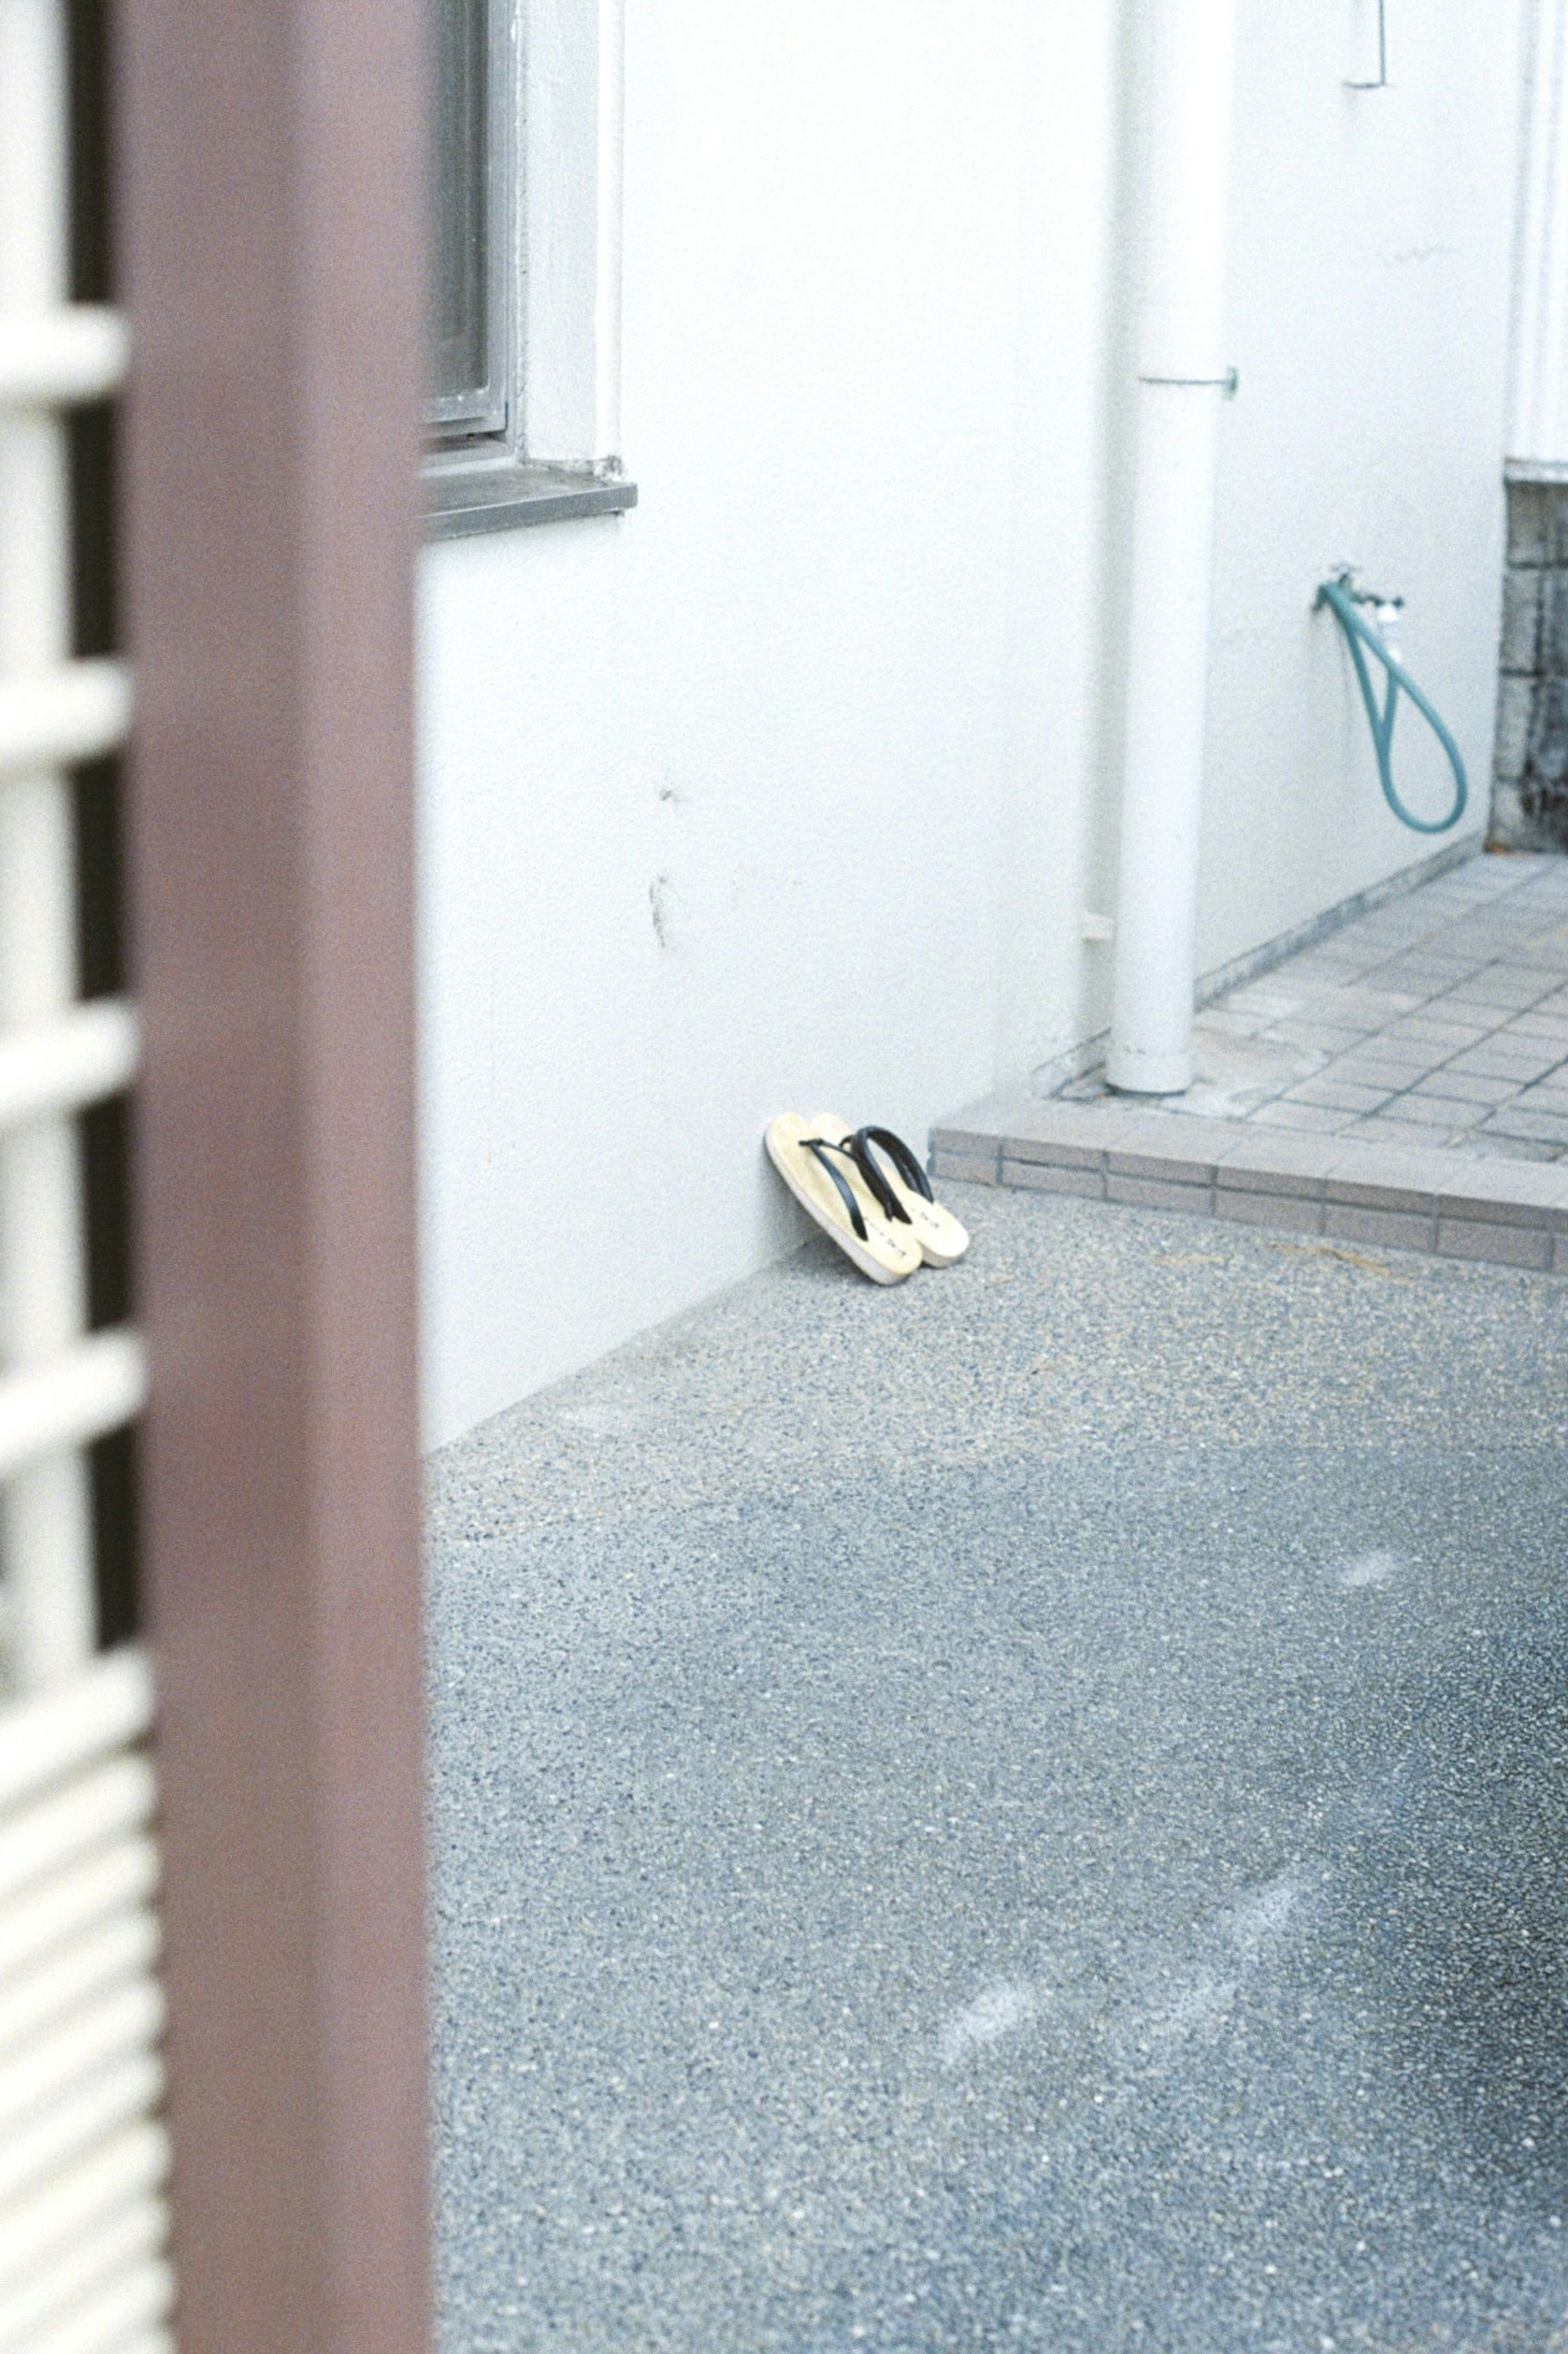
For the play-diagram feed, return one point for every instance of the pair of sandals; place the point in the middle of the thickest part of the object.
(865, 1188)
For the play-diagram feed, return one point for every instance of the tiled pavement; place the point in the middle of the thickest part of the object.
(1442, 1018)
(1404, 1080)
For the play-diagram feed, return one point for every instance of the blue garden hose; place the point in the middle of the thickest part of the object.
(1344, 600)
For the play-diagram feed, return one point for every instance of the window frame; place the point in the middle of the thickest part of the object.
(556, 453)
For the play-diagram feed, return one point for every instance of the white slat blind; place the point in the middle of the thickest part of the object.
(83, 2227)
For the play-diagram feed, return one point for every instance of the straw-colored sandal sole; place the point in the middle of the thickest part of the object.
(885, 1256)
(940, 1237)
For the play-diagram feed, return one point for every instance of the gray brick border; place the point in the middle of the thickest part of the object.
(1502, 1212)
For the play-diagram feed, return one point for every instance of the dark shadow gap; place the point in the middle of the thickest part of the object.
(105, 1128)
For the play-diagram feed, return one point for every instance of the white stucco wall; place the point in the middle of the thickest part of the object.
(1371, 246)
(790, 787)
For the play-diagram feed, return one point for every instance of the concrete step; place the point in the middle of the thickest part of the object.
(1505, 1213)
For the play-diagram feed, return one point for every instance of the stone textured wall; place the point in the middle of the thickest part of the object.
(1530, 776)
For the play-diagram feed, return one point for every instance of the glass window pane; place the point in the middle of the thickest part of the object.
(462, 257)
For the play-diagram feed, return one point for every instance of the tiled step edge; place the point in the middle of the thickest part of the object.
(1505, 1213)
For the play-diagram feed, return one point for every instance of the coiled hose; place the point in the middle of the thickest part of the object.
(1343, 602)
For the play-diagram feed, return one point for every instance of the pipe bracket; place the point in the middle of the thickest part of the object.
(1229, 384)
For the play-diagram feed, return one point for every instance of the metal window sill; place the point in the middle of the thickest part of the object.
(1548, 470)
(462, 500)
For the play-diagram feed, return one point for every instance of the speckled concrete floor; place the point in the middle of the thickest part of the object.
(1024, 1810)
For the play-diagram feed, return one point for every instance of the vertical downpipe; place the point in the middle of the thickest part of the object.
(1538, 426)
(1182, 380)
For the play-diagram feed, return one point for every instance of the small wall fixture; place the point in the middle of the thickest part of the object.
(1381, 82)
(1229, 384)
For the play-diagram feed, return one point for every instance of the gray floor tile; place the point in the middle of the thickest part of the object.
(1311, 1119)
(1415, 1053)
(1423, 1029)
(1433, 1111)
(1379, 1128)
(1261, 997)
(1465, 1086)
(1338, 1095)
(1395, 959)
(1537, 1127)
(1476, 1147)
(1422, 980)
(1332, 1038)
(1549, 1028)
(1376, 1007)
(1507, 974)
(1477, 940)
(1317, 1002)
(1506, 970)
(1222, 1022)
(1321, 963)
(1375, 1070)
(1465, 1001)
(1497, 1061)
(1411, 1053)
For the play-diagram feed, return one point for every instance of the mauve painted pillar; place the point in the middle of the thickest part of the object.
(269, 194)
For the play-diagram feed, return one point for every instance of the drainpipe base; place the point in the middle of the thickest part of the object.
(1131, 1074)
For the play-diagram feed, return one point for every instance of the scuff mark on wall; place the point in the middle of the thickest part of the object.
(659, 899)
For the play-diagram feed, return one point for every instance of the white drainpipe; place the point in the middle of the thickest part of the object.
(1538, 427)
(1181, 379)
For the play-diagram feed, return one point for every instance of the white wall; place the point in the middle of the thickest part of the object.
(1371, 249)
(790, 787)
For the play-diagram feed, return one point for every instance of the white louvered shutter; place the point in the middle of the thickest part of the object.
(83, 2226)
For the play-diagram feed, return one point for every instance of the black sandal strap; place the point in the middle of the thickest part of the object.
(882, 1192)
(819, 1146)
(898, 1152)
